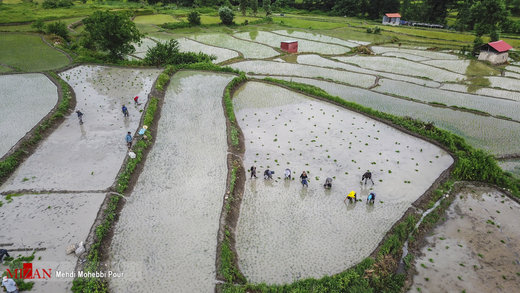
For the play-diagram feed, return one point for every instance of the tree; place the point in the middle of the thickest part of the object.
(58, 28)
(464, 20)
(477, 43)
(226, 15)
(436, 10)
(254, 6)
(347, 7)
(112, 31)
(489, 15)
(494, 36)
(39, 25)
(267, 7)
(243, 7)
(194, 18)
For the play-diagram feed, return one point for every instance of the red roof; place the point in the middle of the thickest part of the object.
(500, 46)
(393, 15)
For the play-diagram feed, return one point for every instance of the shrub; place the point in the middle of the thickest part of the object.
(175, 25)
(58, 28)
(168, 54)
(39, 25)
(49, 4)
(194, 18)
(226, 15)
(377, 30)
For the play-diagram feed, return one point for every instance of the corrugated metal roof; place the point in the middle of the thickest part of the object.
(393, 15)
(500, 46)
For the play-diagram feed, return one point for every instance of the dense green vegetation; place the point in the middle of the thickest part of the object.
(111, 31)
(27, 52)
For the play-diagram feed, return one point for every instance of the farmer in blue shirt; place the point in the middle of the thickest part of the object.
(10, 285)
(125, 111)
(129, 139)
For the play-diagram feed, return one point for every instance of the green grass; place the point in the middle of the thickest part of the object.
(5, 69)
(29, 53)
(308, 24)
(154, 19)
(208, 19)
(29, 28)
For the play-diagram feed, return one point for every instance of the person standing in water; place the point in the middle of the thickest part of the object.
(253, 171)
(304, 179)
(80, 116)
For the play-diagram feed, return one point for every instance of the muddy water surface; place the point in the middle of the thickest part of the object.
(495, 135)
(50, 221)
(286, 232)
(167, 231)
(88, 156)
(25, 100)
(477, 249)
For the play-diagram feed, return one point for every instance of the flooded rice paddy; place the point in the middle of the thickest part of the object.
(414, 52)
(88, 156)
(316, 37)
(168, 226)
(495, 135)
(25, 99)
(248, 49)
(186, 45)
(404, 67)
(476, 249)
(274, 40)
(317, 60)
(492, 106)
(277, 68)
(50, 221)
(286, 232)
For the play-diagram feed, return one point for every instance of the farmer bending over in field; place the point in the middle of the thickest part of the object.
(136, 100)
(3, 254)
(287, 173)
(351, 196)
(328, 183)
(367, 176)
(371, 198)
(268, 174)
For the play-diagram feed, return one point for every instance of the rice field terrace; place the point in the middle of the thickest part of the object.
(175, 205)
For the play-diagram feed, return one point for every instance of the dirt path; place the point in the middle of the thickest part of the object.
(167, 231)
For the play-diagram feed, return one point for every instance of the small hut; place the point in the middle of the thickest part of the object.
(495, 52)
(289, 46)
(392, 19)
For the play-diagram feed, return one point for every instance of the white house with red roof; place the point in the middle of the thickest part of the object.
(495, 52)
(392, 18)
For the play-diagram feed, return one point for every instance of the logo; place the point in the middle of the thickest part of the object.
(28, 273)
